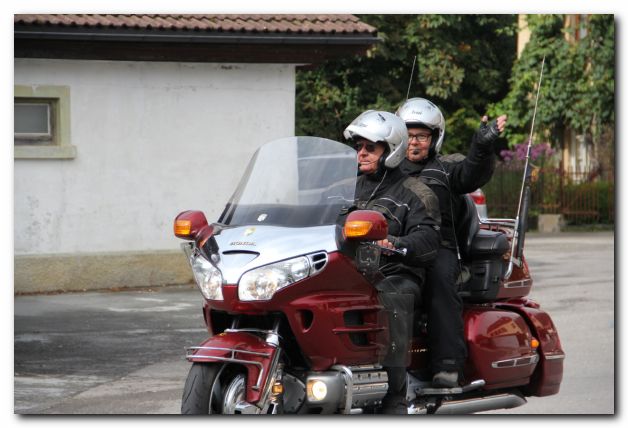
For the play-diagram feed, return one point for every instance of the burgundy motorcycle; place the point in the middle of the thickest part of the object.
(294, 319)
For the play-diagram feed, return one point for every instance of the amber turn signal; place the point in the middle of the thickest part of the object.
(534, 343)
(182, 227)
(357, 228)
(277, 388)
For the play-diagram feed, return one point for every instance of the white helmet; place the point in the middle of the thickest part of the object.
(381, 127)
(422, 112)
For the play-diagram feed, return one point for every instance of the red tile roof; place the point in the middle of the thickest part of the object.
(279, 24)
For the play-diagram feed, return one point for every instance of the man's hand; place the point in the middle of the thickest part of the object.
(385, 243)
(499, 123)
(488, 133)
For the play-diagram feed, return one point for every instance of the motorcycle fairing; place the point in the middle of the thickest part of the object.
(267, 244)
(349, 321)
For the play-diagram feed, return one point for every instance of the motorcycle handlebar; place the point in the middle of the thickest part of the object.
(399, 251)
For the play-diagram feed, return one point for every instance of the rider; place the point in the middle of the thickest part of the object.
(411, 209)
(450, 177)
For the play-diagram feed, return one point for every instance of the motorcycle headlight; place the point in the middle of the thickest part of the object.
(262, 283)
(208, 278)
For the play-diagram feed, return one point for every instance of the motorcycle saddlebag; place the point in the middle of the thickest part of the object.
(499, 347)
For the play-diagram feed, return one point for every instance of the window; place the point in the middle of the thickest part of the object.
(31, 122)
(41, 122)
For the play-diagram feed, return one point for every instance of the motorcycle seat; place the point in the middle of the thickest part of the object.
(474, 242)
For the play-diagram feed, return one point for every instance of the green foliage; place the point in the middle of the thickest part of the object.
(577, 90)
(463, 64)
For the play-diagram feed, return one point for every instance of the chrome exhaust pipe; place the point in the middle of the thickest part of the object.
(480, 404)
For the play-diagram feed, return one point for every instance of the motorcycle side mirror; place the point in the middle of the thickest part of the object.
(190, 225)
(366, 225)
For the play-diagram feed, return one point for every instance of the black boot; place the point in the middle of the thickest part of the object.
(395, 403)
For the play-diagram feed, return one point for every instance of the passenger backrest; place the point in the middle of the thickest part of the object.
(467, 226)
(482, 251)
(486, 268)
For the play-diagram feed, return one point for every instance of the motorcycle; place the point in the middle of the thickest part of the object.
(294, 319)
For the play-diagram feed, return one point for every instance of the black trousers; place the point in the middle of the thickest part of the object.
(400, 295)
(445, 326)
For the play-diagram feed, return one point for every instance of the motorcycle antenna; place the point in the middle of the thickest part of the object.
(410, 82)
(524, 195)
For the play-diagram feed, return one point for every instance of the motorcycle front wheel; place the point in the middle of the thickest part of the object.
(212, 388)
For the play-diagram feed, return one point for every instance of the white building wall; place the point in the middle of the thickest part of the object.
(152, 139)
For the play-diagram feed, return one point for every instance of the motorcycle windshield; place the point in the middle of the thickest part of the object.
(294, 182)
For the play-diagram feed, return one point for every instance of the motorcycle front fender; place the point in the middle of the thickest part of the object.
(257, 356)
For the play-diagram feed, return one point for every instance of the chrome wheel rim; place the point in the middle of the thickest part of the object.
(234, 394)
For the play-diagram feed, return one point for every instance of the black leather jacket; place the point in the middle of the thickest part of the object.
(411, 210)
(452, 176)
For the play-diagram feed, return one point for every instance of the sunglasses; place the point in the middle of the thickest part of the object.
(369, 147)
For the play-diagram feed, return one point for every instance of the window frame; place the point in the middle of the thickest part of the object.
(59, 146)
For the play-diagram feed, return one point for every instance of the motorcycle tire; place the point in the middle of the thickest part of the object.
(228, 389)
(198, 385)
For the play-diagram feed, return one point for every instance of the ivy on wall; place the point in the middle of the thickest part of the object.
(578, 87)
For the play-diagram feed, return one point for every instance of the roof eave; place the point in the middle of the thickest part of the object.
(180, 36)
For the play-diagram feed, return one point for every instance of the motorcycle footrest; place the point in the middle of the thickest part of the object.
(439, 391)
(476, 384)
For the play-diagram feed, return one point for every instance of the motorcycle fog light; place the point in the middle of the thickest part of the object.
(316, 390)
(262, 283)
(208, 278)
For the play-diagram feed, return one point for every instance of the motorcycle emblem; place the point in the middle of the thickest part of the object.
(235, 243)
(249, 231)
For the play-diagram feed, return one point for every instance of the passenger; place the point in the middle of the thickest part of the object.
(450, 177)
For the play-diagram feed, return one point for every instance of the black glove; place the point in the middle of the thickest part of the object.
(487, 133)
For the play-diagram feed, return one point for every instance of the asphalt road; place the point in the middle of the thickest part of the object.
(122, 352)
(105, 353)
(574, 282)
